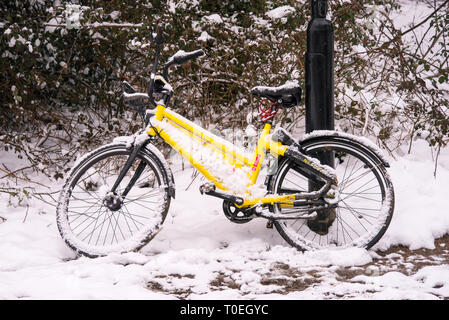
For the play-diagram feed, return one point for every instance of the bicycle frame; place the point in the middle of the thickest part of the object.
(247, 194)
(229, 152)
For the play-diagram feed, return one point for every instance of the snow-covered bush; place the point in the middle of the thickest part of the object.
(60, 78)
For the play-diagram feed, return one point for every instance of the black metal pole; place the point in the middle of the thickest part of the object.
(319, 70)
(319, 73)
(320, 95)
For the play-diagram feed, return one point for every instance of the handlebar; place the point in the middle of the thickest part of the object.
(178, 58)
(182, 57)
(159, 40)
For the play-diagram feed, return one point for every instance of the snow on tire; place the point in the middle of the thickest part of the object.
(365, 203)
(91, 228)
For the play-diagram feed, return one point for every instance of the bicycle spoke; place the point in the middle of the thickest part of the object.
(117, 217)
(302, 225)
(85, 227)
(362, 197)
(357, 219)
(364, 191)
(126, 220)
(349, 226)
(81, 214)
(134, 220)
(109, 224)
(346, 168)
(92, 233)
(363, 185)
(136, 215)
(357, 178)
(87, 218)
(354, 194)
(144, 196)
(351, 173)
(141, 200)
(364, 214)
(355, 208)
(83, 200)
(102, 225)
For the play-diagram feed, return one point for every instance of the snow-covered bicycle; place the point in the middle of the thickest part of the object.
(116, 197)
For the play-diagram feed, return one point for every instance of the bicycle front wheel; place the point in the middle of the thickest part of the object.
(92, 226)
(365, 203)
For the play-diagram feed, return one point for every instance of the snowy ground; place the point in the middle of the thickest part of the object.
(199, 254)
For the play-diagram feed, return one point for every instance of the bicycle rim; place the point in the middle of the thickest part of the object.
(89, 226)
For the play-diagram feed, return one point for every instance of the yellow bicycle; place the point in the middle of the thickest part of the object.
(116, 197)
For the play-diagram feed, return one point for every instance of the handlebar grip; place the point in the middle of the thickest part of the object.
(197, 53)
(134, 99)
(181, 56)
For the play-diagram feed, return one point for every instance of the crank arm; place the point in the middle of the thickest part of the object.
(224, 196)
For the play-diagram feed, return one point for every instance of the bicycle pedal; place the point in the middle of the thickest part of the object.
(210, 191)
(270, 224)
(207, 188)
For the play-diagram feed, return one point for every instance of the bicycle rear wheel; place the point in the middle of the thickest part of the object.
(90, 225)
(365, 204)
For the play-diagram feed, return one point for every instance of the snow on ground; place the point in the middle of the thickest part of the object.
(199, 254)
(421, 213)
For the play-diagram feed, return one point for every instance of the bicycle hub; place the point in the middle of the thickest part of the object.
(112, 201)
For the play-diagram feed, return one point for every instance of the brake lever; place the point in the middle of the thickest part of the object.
(127, 87)
(135, 97)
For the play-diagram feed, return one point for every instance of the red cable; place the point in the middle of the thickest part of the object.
(269, 112)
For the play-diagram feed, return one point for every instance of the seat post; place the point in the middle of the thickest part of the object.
(259, 153)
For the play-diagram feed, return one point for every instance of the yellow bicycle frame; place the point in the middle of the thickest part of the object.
(227, 150)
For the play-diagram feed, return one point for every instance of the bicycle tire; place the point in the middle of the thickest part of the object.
(81, 191)
(306, 239)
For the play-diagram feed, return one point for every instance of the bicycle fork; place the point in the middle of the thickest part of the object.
(113, 200)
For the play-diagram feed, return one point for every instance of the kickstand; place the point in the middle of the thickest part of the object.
(195, 174)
